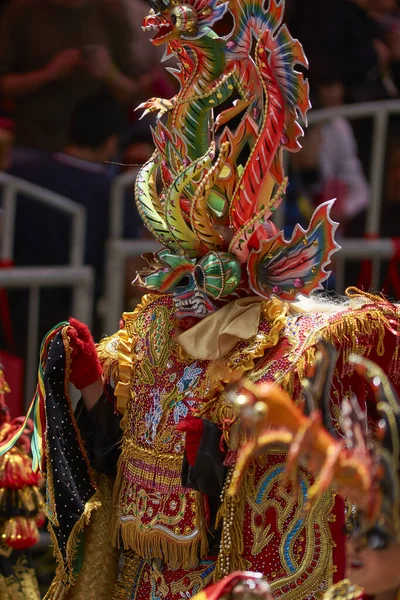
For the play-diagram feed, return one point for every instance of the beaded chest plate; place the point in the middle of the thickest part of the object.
(265, 528)
(157, 517)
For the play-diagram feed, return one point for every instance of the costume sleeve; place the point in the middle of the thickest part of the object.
(100, 429)
(208, 474)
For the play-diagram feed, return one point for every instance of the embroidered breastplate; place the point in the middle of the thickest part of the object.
(157, 517)
(265, 528)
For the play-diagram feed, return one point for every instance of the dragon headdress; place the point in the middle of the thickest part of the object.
(216, 177)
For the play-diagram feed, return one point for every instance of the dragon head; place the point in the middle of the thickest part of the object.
(195, 285)
(173, 20)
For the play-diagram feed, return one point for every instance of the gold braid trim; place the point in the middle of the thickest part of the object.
(123, 387)
(243, 360)
(369, 320)
(122, 364)
(115, 354)
(64, 578)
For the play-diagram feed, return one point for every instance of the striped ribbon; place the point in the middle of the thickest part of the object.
(36, 410)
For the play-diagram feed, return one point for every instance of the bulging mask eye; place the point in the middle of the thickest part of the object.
(185, 19)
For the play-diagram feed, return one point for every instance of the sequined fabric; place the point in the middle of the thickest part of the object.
(160, 525)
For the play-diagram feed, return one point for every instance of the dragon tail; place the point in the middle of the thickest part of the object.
(286, 102)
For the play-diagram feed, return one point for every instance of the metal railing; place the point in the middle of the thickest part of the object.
(80, 279)
(12, 186)
(119, 187)
(379, 112)
(118, 250)
(74, 275)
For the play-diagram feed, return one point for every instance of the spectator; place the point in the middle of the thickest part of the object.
(328, 166)
(42, 235)
(387, 14)
(343, 33)
(54, 52)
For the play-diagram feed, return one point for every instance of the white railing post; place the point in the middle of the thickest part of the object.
(119, 250)
(117, 201)
(8, 223)
(378, 156)
(117, 253)
(12, 186)
(115, 277)
(82, 298)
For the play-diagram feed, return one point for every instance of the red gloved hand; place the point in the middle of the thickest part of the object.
(193, 427)
(85, 365)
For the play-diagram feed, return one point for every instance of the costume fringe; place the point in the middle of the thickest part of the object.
(65, 578)
(347, 332)
(156, 544)
(201, 525)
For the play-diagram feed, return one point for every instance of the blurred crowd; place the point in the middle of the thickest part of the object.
(72, 71)
(71, 74)
(353, 48)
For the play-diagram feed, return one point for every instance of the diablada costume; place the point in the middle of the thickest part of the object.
(300, 555)
(219, 309)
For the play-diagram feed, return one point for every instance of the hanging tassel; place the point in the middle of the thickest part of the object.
(20, 533)
(16, 470)
(35, 410)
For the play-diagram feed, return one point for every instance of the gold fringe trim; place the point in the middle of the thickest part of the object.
(176, 554)
(156, 544)
(123, 387)
(201, 524)
(64, 578)
(369, 320)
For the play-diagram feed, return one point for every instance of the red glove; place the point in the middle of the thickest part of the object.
(193, 427)
(85, 365)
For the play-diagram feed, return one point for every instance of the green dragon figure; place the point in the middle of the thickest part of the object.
(216, 177)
